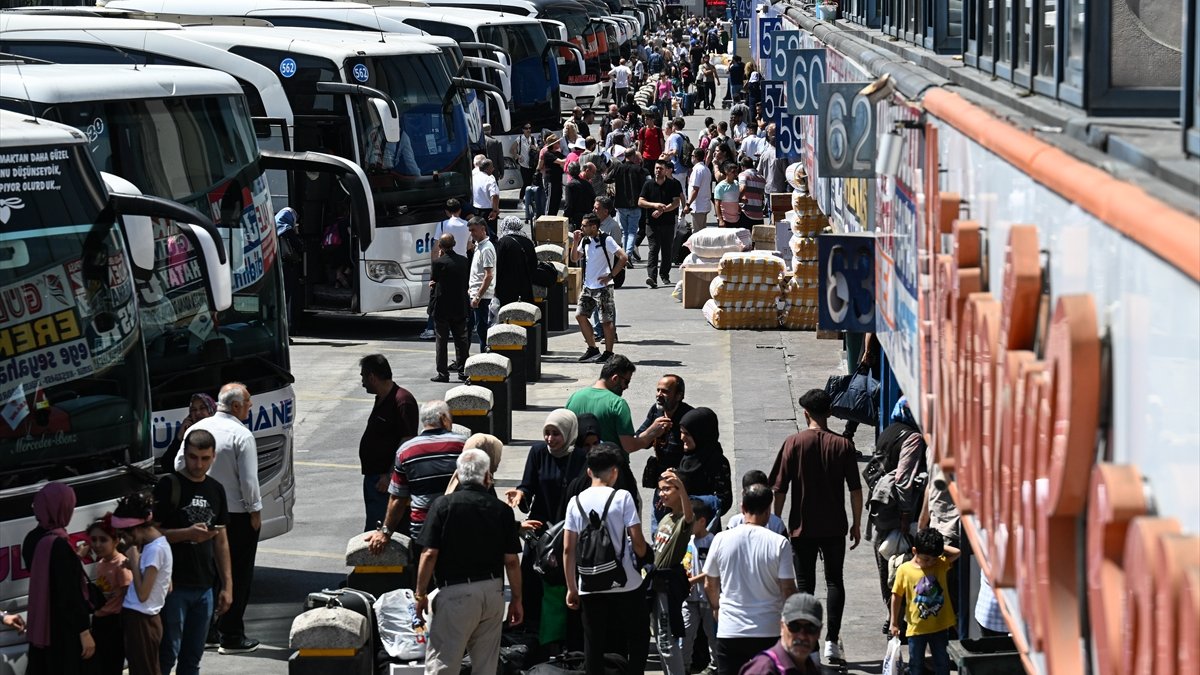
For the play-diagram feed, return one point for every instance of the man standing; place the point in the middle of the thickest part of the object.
(675, 150)
(650, 140)
(485, 193)
(627, 178)
(747, 578)
(737, 77)
(818, 466)
(603, 208)
(710, 80)
(699, 200)
(620, 80)
(423, 468)
(235, 467)
(480, 288)
(516, 260)
(661, 197)
(603, 259)
(578, 196)
(752, 195)
(772, 167)
(525, 151)
(393, 420)
(494, 150)
(191, 509)
(668, 448)
(468, 542)
(799, 635)
(448, 285)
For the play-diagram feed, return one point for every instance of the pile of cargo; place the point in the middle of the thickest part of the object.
(745, 292)
(800, 304)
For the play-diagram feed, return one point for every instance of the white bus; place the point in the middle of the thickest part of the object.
(73, 374)
(186, 134)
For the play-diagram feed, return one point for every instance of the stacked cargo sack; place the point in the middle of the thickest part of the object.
(745, 292)
(800, 310)
(706, 248)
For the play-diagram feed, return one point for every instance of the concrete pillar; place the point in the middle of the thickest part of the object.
(492, 371)
(526, 315)
(509, 340)
(471, 406)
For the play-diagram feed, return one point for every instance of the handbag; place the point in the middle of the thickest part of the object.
(548, 554)
(855, 397)
(545, 274)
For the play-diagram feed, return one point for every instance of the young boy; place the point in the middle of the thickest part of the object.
(756, 477)
(697, 614)
(921, 584)
(669, 577)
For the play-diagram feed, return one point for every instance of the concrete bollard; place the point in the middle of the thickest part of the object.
(550, 253)
(471, 406)
(557, 303)
(378, 574)
(539, 299)
(491, 371)
(330, 640)
(509, 340)
(526, 315)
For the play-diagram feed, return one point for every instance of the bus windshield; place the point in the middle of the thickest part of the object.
(533, 93)
(431, 162)
(200, 151)
(72, 372)
(581, 33)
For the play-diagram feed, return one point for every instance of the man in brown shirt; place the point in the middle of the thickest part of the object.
(818, 466)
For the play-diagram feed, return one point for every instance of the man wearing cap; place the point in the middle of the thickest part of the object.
(799, 632)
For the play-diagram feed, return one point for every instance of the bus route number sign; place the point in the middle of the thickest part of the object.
(287, 67)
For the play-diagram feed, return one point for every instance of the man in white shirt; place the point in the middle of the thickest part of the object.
(620, 81)
(748, 576)
(485, 194)
(699, 199)
(754, 143)
(615, 621)
(481, 286)
(235, 467)
(603, 259)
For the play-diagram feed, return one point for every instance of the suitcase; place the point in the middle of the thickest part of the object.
(688, 105)
(362, 661)
(353, 600)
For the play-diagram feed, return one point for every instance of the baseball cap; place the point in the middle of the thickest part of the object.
(803, 607)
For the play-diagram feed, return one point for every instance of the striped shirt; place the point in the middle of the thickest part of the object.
(424, 465)
(753, 187)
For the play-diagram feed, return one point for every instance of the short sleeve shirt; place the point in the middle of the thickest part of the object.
(749, 560)
(424, 465)
(701, 179)
(483, 260)
(926, 597)
(200, 503)
(597, 260)
(671, 541)
(472, 532)
(610, 410)
(457, 227)
(622, 515)
(662, 194)
(156, 554)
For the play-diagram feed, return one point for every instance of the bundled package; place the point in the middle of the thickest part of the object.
(725, 318)
(714, 242)
(751, 267)
(729, 294)
(800, 299)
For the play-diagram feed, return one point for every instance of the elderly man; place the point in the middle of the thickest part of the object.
(424, 465)
(799, 630)
(235, 467)
(468, 542)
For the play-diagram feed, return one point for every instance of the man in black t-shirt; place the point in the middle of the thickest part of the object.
(192, 513)
(661, 198)
(393, 420)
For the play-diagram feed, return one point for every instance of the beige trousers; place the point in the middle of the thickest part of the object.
(466, 619)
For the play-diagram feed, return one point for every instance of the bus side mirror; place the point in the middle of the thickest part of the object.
(391, 123)
(138, 230)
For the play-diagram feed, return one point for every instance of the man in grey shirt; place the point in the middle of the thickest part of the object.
(236, 469)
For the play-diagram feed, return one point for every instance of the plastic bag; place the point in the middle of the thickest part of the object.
(894, 542)
(400, 629)
(893, 658)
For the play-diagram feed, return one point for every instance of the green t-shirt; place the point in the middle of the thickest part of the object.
(671, 541)
(610, 410)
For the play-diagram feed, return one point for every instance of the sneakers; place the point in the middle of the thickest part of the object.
(427, 335)
(242, 646)
(462, 377)
(651, 282)
(589, 355)
(604, 357)
(832, 652)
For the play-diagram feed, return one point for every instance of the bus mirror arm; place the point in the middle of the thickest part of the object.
(486, 47)
(353, 179)
(390, 120)
(467, 83)
(563, 44)
(157, 207)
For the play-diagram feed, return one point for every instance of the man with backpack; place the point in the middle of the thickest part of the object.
(650, 140)
(603, 259)
(603, 537)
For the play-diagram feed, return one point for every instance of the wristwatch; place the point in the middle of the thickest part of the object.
(387, 531)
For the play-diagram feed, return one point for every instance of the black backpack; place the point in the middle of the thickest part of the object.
(600, 566)
(618, 279)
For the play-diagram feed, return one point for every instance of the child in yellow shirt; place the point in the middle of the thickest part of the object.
(921, 588)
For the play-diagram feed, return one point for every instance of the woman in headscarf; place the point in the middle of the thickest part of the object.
(551, 466)
(60, 639)
(704, 468)
(201, 406)
(516, 260)
(291, 253)
(491, 446)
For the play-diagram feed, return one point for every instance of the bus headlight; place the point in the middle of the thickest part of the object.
(382, 270)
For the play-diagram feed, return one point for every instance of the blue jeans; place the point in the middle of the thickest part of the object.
(937, 643)
(186, 615)
(629, 227)
(375, 502)
(480, 319)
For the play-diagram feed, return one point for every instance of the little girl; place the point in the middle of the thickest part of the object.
(149, 559)
(113, 578)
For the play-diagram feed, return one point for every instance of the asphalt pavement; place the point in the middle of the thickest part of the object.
(751, 379)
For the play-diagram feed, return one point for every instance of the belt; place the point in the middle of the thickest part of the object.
(454, 581)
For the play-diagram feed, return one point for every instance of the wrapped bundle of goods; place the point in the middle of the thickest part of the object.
(800, 299)
(763, 237)
(729, 294)
(714, 242)
(725, 318)
(751, 267)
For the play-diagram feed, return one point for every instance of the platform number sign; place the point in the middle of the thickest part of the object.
(780, 41)
(804, 73)
(773, 102)
(287, 67)
(743, 29)
(846, 132)
(767, 27)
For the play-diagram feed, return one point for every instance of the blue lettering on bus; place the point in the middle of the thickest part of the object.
(425, 244)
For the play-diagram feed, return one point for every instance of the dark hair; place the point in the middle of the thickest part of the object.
(477, 221)
(201, 439)
(453, 205)
(748, 162)
(816, 402)
(708, 122)
(677, 123)
(665, 162)
(573, 169)
(617, 364)
(701, 509)
(104, 525)
(377, 365)
(590, 217)
(698, 153)
(603, 457)
(678, 383)
(753, 477)
(139, 506)
(929, 542)
(757, 499)
(728, 166)
(606, 202)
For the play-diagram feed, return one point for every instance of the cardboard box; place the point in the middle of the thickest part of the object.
(696, 280)
(574, 283)
(764, 246)
(551, 230)
(765, 232)
(781, 203)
